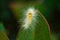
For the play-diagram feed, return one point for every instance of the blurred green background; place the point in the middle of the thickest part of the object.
(49, 8)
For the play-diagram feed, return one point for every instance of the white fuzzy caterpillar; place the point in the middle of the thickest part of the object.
(30, 13)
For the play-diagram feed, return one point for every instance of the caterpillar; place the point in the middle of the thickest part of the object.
(29, 17)
(33, 26)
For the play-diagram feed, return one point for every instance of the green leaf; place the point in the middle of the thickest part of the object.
(3, 36)
(38, 29)
(2, 27)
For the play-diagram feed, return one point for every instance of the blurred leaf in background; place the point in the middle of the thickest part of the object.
(3, 36)
(2, 27)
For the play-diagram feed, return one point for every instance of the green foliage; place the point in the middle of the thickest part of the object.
(2, 27)
(39, 29)
(3, 36)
